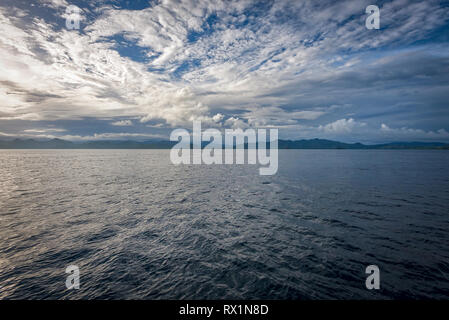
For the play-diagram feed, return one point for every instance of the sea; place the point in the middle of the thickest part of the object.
(138, 227)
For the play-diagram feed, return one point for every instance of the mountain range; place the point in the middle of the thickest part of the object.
(161, 144)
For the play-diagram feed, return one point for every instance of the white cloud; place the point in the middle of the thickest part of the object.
(218, 118)
(236, 123)
(411, 133)
(96, 136)
(341, 126)
(55, 4)
(44, 130)
(282, 64)
(122, 123)
(177, 107)
(112, 136)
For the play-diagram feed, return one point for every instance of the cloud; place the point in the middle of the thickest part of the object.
(341, 126)
(177, 107)
(96, 136)
(275, 116)
(233, 63)
(55, 4)
(411, 133)
(44, 130)
(113, 136)
(218, 118)
(122, 123)
(236, 123)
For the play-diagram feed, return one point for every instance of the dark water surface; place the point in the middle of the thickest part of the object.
(139, 227)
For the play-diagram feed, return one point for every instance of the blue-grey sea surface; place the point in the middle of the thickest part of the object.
(139, 227)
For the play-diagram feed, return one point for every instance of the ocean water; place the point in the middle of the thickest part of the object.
(139, 227)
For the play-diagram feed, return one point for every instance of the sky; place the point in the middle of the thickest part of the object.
(136, 70)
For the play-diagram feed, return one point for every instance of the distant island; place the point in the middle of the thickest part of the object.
(161, 144)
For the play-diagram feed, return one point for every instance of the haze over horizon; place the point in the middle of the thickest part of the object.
(135, 70)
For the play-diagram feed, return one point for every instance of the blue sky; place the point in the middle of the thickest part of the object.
(139, 69)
